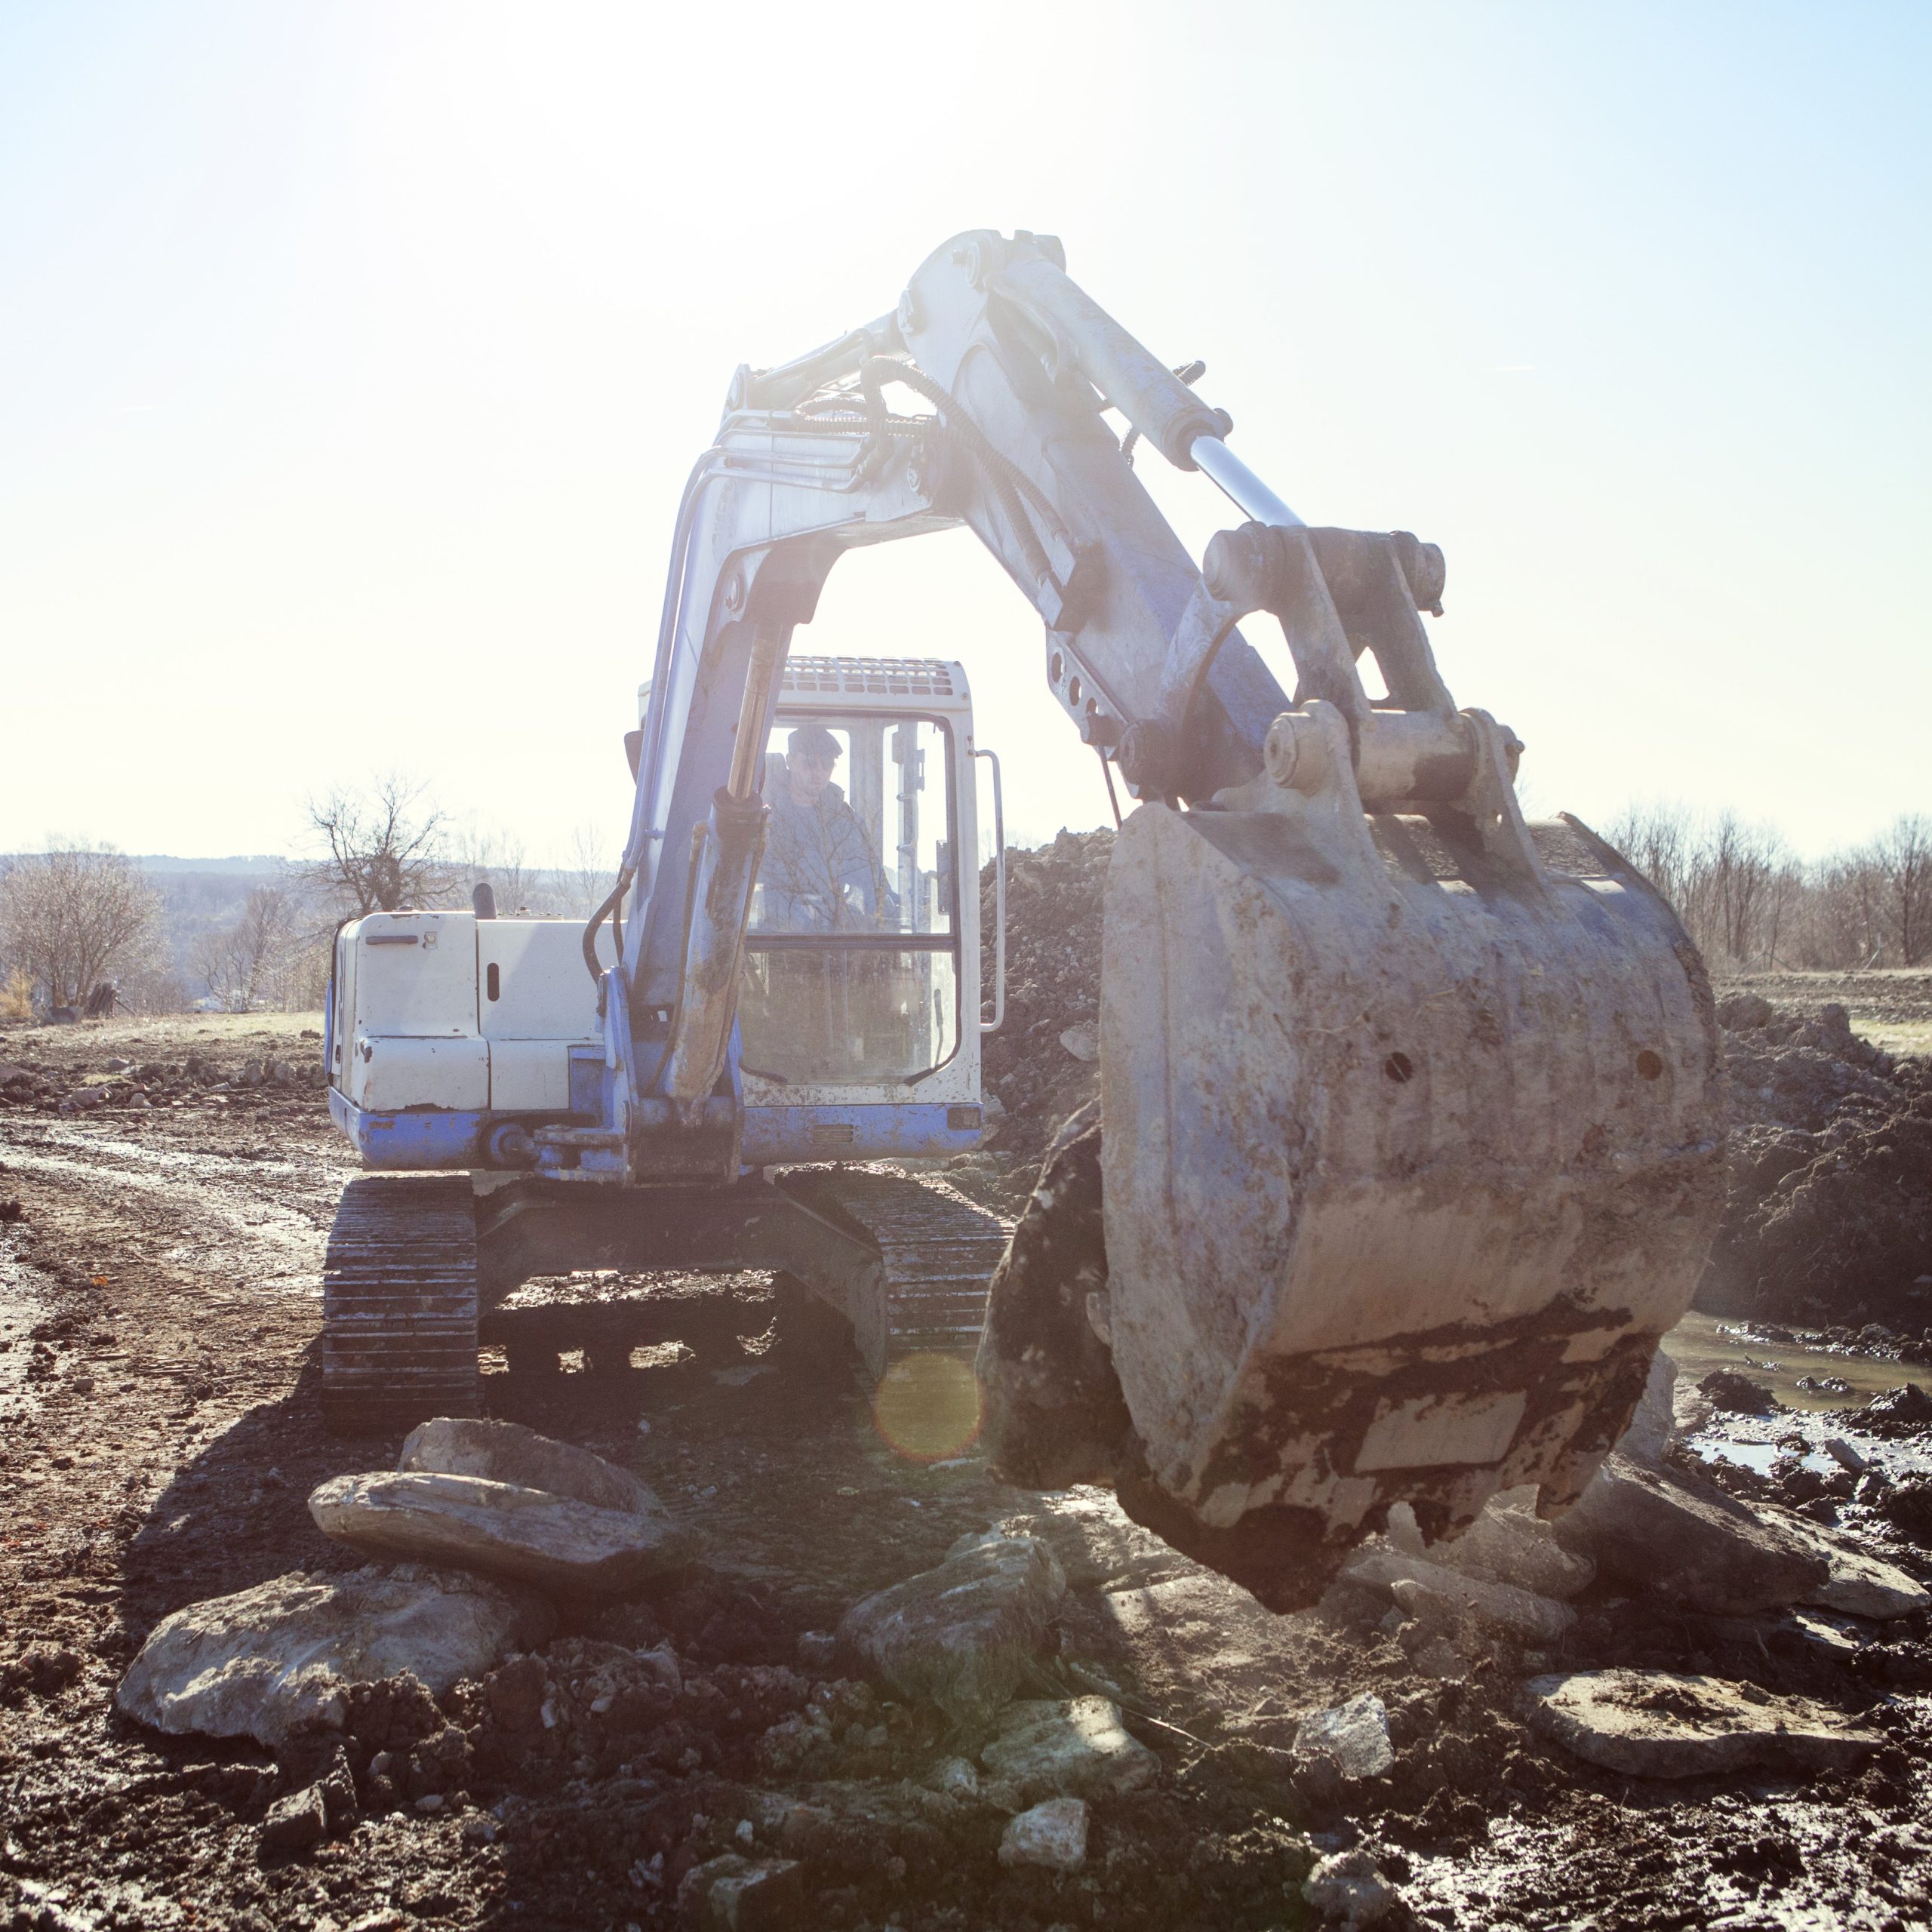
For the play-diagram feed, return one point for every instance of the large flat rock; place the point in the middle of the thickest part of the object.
(1654, 1531)
(280, 1658)
(1077, 1749)
(1658, 1723)
(498, 1529)
(1196, 1639)
(507, 1452)
(1856, 1582)
(1418, 1584)
(960, 1636)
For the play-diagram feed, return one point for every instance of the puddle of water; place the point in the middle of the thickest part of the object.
(1701, 1342)
(1758, 1456)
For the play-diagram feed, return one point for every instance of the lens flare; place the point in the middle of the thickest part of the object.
(927, 1408)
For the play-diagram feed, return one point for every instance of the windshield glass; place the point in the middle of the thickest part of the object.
(858, 852)
(858, 838)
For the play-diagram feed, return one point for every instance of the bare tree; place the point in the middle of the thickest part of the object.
(1741, 864)
(71, 919)
(591, 873)
(497, 859)
(244, 965)
(384, 848)
(1843, 913)
(1736, 886)
(1902, 858)
(1660, 840)
(1745, 899)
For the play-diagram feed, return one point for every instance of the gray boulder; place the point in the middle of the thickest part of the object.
(507, 1452)
(961, 1636)
(734, 1894)
(1347, 1888)
(499, 1529)
(1660, 1723)
(1353, 1736)
(272, 1661)
(296, 1822)
(1657, 1531)
(1509, 1543)
(1053, 1834)
(1076, 1749)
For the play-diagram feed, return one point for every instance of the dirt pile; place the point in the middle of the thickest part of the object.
(1829, 1218)
(1043, 1064)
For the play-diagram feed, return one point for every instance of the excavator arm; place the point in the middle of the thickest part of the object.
(1010, 366)
(1411, 1144)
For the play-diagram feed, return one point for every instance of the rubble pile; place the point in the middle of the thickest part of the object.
(683, 1750)
(1829, 1223)
(152, 1083)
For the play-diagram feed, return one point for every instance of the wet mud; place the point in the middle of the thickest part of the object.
(163, 1274)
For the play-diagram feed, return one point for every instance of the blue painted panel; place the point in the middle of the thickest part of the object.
(433, 1139)
(427, 1140)
(785, 1134)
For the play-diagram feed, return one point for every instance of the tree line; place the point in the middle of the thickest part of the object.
(1748, 900)
(77, 919)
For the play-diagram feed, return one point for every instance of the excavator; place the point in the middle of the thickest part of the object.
(1409, 1145)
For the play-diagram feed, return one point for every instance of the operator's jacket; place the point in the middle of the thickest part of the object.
(820, 872)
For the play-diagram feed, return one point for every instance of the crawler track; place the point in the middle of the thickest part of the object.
(939, 1250)
(399, 1304)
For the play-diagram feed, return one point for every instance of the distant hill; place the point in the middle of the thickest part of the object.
(263, 865)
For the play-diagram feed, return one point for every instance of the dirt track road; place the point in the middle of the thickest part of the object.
(159, 1434)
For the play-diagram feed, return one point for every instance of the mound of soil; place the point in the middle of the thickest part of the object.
(1053, 989)
(1829, 1217)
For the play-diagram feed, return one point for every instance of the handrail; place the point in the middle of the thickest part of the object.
(992, 1026)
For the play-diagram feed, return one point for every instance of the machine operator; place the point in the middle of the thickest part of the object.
(820, 872)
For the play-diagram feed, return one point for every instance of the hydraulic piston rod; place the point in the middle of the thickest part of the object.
(1240, 484)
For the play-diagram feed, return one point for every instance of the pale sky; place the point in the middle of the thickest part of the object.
(355, 356)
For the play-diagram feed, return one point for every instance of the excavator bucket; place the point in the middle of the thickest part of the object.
(1412, 1151)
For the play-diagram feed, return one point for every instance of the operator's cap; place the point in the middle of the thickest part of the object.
(814, 738)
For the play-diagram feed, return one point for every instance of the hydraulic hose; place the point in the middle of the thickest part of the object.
(1008, 479)
(609, 909)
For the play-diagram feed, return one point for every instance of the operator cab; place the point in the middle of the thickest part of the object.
(451, 1038)
(852, 963)
(859, 1013)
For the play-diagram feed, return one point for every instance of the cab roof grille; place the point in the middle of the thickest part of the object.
(892, 677)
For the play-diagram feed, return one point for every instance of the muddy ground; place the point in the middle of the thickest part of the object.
(159, 1431)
